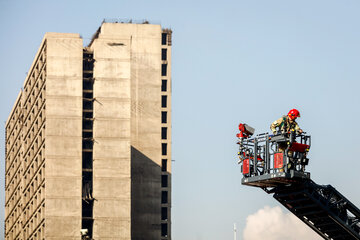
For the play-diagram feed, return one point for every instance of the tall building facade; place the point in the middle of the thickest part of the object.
(88, 141)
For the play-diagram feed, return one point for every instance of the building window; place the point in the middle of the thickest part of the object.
(164, 231)
(88, 114)
(163, 38)
(164, 213)
(164, 148)
(163, 117)
(163, 133)
(164, 101)
(164, 181)
(87, 207)
(163, 69)
(88, 95)
(164, 54)
(87, 144)
(87, 104)
(163, 85)
(87, 124)
(164, 165)
(87, 160)
(164, 197)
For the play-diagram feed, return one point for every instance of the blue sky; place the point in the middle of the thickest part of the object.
(233, 61)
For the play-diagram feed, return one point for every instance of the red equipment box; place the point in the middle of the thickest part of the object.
(246, 166)
(298, 147)
(278, 160)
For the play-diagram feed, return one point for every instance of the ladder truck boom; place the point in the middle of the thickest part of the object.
(281, 172)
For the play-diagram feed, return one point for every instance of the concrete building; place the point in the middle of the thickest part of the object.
(88, 141)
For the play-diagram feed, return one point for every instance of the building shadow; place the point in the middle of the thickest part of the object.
(150, 198)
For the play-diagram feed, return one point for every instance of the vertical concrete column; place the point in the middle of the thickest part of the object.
(146, 131)
(111, 150)
(63, 140)
(127, 113)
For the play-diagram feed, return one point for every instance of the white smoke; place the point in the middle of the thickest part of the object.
(273, 224)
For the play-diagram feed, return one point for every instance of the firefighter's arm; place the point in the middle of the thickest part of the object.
(275, 124)
(298, 129)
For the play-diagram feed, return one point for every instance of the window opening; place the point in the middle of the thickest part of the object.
(164, 54)
(164, 101)
(163, 85)
(164, 148)
(163, 38)
(164, 213)
(164, 231)
(163, 69)
(163, 117)
(163, 133)
(164, 197)
(164, 181)
(164, 165)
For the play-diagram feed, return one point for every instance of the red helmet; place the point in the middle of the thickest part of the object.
(293, 114)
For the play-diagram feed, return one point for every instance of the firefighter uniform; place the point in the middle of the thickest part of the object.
(285, 125)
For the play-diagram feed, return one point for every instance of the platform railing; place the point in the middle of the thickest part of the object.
(267, 154)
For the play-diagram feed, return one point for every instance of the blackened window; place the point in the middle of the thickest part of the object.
(87, 144)
(163, 38)
(163, 54)
(88, 223)
(87, 207)
(164, 101)
(88, 64)
(164, 165)
(164, 197)
(163, 117)
(163, 69)
(87, 81)
(163, 133)
(88, 94)
(87, 160)
(164, 231)
(164, 85)
(87, 134)
(87, 124)
(164, 181)
(87, 104)
(87, 185)
(88, 114)
(164, 148)
(164, 213)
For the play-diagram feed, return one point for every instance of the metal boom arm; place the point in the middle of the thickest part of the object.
(322, 208)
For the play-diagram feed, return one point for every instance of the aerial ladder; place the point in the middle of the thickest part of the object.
(281, 171)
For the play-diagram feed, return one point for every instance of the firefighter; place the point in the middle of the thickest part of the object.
(287, 123)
